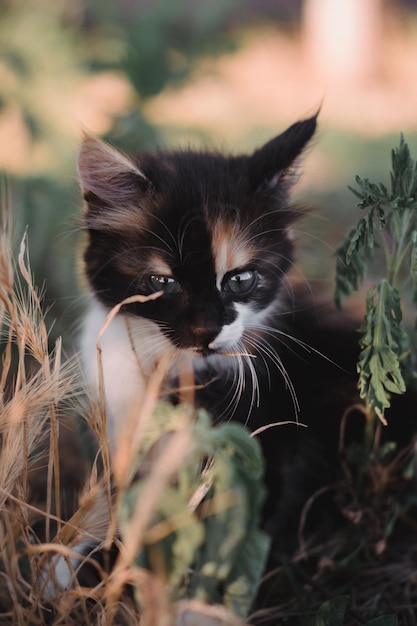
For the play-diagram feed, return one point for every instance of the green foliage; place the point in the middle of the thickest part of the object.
(333, 612)
(42, 205)
(160, 41)
(41, 55)
(349, 274)
(213, 552)
(382, 340)
(384, 620)
(389, 225)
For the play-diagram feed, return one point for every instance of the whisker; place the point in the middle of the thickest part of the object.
(233, 353)
(266, 232)
(183, 231)
(279, 334)
(268, 354)
(261, 217)
(256, 395)
(164, 225)
(325, 243)
(161, 239)
(237, 386)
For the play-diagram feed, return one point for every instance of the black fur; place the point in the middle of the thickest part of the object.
(178, 200)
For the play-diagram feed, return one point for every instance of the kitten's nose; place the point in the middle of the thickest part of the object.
(203, 335)
(203, 329)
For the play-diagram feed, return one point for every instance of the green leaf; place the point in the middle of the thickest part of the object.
(357, 240)
(233, 555)
(214, 552)
(413, 267)
(370, 194)
(384, 620)
(349, 274)
(381, 348)
(404, 172)
(332, 612)
(355, 248)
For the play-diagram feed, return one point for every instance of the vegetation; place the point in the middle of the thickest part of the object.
(192, 548)
(210, 547)
(360, 567)
(389, 224)
(375, 491)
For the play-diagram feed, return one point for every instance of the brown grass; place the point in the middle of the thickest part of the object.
(40, 521)
(38, 391)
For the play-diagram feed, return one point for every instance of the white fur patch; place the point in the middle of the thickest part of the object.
(232, 333)
(130, 348)
(59, 574)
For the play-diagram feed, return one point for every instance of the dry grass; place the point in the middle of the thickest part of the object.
(40, 522)
(38, 391)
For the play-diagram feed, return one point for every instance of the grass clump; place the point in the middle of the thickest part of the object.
(185, 496)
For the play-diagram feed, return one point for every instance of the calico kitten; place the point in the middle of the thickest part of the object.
(210, 236)
(210, 233)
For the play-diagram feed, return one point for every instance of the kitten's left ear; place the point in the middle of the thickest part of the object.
(270, 165)
(107, 173)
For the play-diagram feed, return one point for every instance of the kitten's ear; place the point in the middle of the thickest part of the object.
(108, 175)
(271, 165)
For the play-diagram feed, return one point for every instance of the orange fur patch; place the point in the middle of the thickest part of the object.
(229, 249)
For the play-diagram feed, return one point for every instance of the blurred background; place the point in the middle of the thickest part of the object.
(218, 73)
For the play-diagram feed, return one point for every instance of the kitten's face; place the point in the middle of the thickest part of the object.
(209, 232)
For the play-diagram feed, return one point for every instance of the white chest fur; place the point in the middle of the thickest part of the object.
(130, 349)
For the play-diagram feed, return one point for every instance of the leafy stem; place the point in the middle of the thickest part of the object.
(401, 246)
(389, 224)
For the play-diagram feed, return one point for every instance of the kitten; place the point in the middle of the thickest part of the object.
(212, 234)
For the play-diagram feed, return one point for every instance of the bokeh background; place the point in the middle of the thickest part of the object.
(217, 73)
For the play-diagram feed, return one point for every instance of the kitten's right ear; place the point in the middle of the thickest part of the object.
(107, 175)
(272, 165)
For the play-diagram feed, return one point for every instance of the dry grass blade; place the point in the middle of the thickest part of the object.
(6, 267)
(33, 384)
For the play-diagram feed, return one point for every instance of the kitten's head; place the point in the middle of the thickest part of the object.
(211, 232)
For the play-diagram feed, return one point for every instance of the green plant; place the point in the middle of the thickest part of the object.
(389, 226)
(332, 613)
(204, 538)
(157, 43)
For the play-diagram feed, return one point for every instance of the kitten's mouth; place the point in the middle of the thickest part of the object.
(204, 352)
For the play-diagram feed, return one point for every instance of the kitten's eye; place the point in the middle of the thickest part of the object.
(167, 284)
(241, 283)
